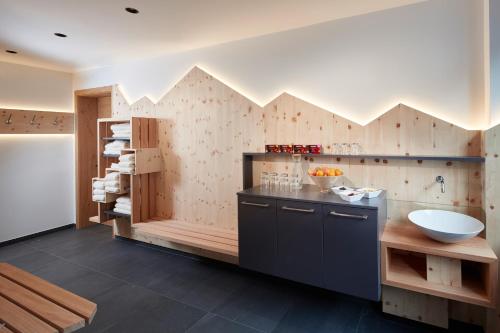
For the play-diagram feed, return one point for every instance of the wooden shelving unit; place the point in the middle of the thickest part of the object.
(465, 271)
(143, 143)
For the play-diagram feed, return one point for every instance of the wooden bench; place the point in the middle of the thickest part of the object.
(29, 304)
(206, 238)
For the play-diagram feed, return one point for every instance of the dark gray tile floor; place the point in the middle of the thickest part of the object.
(142, 288)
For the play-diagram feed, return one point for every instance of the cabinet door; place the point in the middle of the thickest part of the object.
(257, 234)
(351, 251)
(300, 242)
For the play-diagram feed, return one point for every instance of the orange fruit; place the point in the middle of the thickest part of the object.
(320, 173)
(338, 172)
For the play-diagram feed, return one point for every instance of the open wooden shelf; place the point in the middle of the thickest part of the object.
(113, 213)
(465, 271)
(470, 159)
(207, 238)
(113, 139)
(147, 160)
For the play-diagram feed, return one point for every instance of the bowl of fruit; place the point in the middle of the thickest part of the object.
(325, 177)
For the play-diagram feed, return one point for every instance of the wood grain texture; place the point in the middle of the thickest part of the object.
(204, 126)
(21, 320)
(36, 122)
(56, 316)
(492, 208)
(63, 298)
(423, 308)
(86, 158)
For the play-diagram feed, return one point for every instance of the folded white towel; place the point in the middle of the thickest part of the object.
(123, 199)
(112, 176)
(127, 158)
(121, 135)
(117, 144)
(99, 184)
(112, 189)
(112, 152)
(112, 183)
(126, 164)
(121, 126)
(99, 197)
(122, 211)
(98, 192)
(130, 170)
(123, 206)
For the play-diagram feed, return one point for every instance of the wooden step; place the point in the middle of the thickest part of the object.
(211, 239)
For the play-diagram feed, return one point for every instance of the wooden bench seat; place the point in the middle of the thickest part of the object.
(207, 238)
(31, 304)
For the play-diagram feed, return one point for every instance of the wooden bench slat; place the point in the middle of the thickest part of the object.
(169, 228)
(71, 302)
(44, 309)
(4, 329)
(217, 232)
(190, 241)
(20, 320)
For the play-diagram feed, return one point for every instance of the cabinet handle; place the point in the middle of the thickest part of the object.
(351, 216)
(298, 209)
(254, 204)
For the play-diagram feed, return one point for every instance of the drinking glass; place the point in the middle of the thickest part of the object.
(294, 182)
(283, 181)
(273, 180)
(346, 149)
(264, 179)
(337, 149)
(355, 148)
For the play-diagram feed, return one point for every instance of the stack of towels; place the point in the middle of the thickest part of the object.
(126, 163)
(98, 191)
(123, 205)
(121, 130)
(112, 182)
(115, 147)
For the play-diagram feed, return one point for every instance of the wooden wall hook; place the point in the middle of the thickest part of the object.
(33, 120)
(9, 120)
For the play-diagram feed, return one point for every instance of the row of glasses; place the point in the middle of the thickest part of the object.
(347, 149)
(280, 182)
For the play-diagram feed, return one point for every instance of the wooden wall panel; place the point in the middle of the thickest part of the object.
(86, 158)
(492, 208)
(204, 126)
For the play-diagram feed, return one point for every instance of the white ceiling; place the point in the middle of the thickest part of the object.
(101, 33)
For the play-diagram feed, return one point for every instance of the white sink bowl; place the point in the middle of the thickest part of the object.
(446, 226)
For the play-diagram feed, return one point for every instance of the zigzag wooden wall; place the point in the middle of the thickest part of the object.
(205, 126)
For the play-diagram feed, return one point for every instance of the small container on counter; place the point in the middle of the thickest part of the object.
(273, 149)
(286, 149)
(314, 149)
(300, 149)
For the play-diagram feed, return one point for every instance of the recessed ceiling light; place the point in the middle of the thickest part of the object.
(11, 51)
(132, 10)
(58, 34)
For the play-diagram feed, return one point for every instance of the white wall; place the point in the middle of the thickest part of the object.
(495, 61)
(36, 171)
(428, 55)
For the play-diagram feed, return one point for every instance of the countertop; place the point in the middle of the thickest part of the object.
(311, 193)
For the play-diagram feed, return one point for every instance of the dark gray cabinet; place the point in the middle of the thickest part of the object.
(313, 238)
(257, 234)
(300, 242)
(351, 251)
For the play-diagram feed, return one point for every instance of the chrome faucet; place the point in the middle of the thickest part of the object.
(440, 179)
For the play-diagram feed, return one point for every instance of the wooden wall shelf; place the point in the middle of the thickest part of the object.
(36, 122)
(465, 271)
(248, 158)
(468, 159)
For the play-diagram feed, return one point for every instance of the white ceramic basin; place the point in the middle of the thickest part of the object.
(446, 226)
